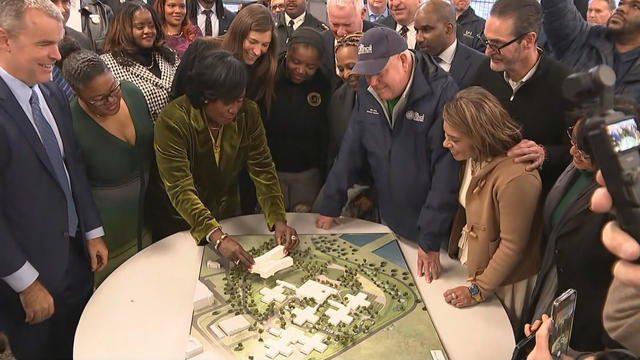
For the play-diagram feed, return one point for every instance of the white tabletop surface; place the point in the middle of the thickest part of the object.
(143, 309)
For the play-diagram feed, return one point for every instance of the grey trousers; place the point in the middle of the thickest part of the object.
(300, 189)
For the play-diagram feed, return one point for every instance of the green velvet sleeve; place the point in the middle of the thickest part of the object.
(173, 136)
(263, 171)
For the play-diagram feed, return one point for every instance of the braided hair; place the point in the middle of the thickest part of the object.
(81, 67)
(349, 40)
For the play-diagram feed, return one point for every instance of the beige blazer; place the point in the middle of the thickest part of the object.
(504, 222)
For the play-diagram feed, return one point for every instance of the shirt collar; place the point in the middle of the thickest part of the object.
(448, 53)
(411, 27)
(297, 21)
(515, 85)
(19, 89)
(385, 13)
(201, 9)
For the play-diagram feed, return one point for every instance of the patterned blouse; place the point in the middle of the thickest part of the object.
(155, 90)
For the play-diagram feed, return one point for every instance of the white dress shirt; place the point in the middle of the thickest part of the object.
(202, 20)
(411, 34)
(446, 56)
(516, 85)
(27, 274)
(297, 22)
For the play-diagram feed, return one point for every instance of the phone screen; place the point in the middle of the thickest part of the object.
(562, 314)
(624, 135)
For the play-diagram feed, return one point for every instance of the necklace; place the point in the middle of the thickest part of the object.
(176, 34)
(153, 62)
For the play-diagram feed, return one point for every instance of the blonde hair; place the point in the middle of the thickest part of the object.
(477, 114)
(349, 40)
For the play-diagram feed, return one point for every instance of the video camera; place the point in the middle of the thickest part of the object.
(614, 140)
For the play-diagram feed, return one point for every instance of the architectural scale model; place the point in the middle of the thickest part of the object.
(339, 296)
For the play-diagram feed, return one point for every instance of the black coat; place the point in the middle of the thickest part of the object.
(465, 65)
(539, 108)
(469, 26)
(329, 57)
(78, 37)
(574, 248)
(282, 30)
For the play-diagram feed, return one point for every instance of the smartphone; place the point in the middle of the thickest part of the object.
(562, 312)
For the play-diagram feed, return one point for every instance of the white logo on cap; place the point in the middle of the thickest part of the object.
(365, 49)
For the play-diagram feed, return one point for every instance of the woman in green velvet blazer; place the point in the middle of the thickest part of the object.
(202, 141)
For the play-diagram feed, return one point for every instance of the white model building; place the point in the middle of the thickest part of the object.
(194, 347)
(354, 302)
(213, 264)
(271, 262)
(234, 325)
(202, 297)
(216, 331)
(291, 336)
(339, 315)
(276, 293)
(315, 290)
(302, 316)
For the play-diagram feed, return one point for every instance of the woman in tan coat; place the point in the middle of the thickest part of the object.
(496, 230)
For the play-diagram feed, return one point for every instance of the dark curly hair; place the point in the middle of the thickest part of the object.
(82, 66)
(217, 75)
(120, 42)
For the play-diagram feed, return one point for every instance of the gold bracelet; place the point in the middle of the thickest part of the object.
(219, 241)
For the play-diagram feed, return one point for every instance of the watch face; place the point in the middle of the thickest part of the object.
(474, 289)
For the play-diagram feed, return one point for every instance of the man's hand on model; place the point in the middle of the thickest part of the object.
(326, 222)
(429, 264)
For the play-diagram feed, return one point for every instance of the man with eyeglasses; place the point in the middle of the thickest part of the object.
(528, 84)
(582, 46)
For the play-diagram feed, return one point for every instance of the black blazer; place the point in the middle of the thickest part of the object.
(282, 30)
(574, 248)
(329, 57)
(465, 65)
(33, 216)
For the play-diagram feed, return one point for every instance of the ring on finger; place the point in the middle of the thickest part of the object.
(294, 237)
(237, 262)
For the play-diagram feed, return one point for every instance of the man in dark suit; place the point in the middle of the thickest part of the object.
(403, 13)
(345, 17)
(211, 16)
(436, 35)
(294, 16)
(50, 230)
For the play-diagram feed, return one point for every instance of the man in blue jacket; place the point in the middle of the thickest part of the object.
(581, 46)
(396, 128)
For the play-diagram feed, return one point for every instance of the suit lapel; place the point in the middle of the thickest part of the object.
(20, 119)
(458, 69)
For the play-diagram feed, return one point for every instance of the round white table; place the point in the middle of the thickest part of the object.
(143, 309)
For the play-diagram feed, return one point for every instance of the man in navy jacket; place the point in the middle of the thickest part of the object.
(50, 230)
(396, 128)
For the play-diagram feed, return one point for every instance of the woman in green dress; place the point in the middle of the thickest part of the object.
(203, 139)
(115, 133)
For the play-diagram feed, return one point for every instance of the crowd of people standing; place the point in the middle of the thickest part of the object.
(174, 115)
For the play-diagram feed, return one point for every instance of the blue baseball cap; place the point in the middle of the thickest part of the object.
(375, 48)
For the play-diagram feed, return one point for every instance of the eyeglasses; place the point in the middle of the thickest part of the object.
(278, 6)
(573, 143)
(103, 99)
(497, 46)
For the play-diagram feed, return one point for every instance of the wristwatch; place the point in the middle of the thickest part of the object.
(475, 292)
